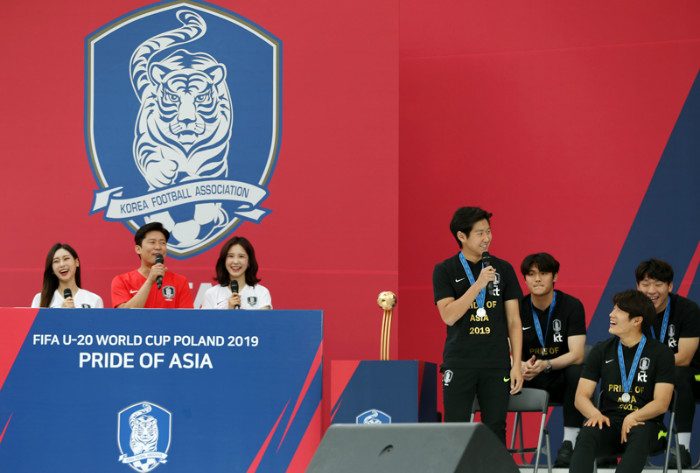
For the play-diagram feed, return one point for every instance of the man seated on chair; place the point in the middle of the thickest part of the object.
(636, 388)
(678, 326)
(554, 338)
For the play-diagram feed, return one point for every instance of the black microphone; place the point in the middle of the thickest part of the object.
(234, 289)
(159, 279)
(67, 293)
(486, 261)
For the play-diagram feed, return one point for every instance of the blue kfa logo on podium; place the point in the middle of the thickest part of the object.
(143, 433)
(373, 416)
(183, 120)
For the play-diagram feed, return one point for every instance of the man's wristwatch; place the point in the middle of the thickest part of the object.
(549, 367)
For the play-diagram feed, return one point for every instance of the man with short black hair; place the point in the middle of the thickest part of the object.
(139, 288)
(554, 340)
(678, 326)
(479, 304)
(636, 375)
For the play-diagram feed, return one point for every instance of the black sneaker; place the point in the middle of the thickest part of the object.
(564, 456)
(685, 458)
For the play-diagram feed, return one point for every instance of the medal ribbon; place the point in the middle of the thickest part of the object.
(481, 297)
(664, 324)
(627, 380)
(536, 319)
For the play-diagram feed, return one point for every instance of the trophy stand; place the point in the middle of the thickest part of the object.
(383, 391)
(387, 301)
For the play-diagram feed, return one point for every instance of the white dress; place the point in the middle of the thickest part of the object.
(252, 297)
(82, 299)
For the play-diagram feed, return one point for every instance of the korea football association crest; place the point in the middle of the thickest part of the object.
(672, 340)
(373, 416)
(557, 336)
(644, 364)
(447, 377)
(495, 288)
(143, 433)
(183, 120)
(168, 292)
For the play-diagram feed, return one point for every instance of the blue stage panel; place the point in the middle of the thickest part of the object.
(383, 392)
(113, 390)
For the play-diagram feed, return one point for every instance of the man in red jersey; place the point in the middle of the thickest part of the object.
(151, 285)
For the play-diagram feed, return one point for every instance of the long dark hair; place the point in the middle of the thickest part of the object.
(251, 274)
(50, 280)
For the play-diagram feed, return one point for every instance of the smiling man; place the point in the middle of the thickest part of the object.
(554, 339)
(140, 288)
(479, 304)
(636, 387)
(678, 326)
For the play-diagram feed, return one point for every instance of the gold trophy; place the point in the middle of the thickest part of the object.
(387, 301)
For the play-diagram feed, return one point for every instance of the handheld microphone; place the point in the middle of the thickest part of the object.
(486, 261)
(234, 289)
(67, 293)
(159, 279)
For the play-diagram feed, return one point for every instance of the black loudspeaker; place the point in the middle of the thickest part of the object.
(407, 448)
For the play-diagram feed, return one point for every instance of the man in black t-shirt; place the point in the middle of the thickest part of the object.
(478, 300)
(636, 375)
(678, 326)
(554, 339)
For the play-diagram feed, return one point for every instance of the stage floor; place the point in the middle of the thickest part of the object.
(543, 469)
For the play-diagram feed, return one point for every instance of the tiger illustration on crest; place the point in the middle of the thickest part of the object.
(144, 436)
(185, 120)
(186, 116)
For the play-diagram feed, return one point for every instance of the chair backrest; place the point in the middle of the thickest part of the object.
(527, 400)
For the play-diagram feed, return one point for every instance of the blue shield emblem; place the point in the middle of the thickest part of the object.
(373, 416)
(143, 433)
(183, 120)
